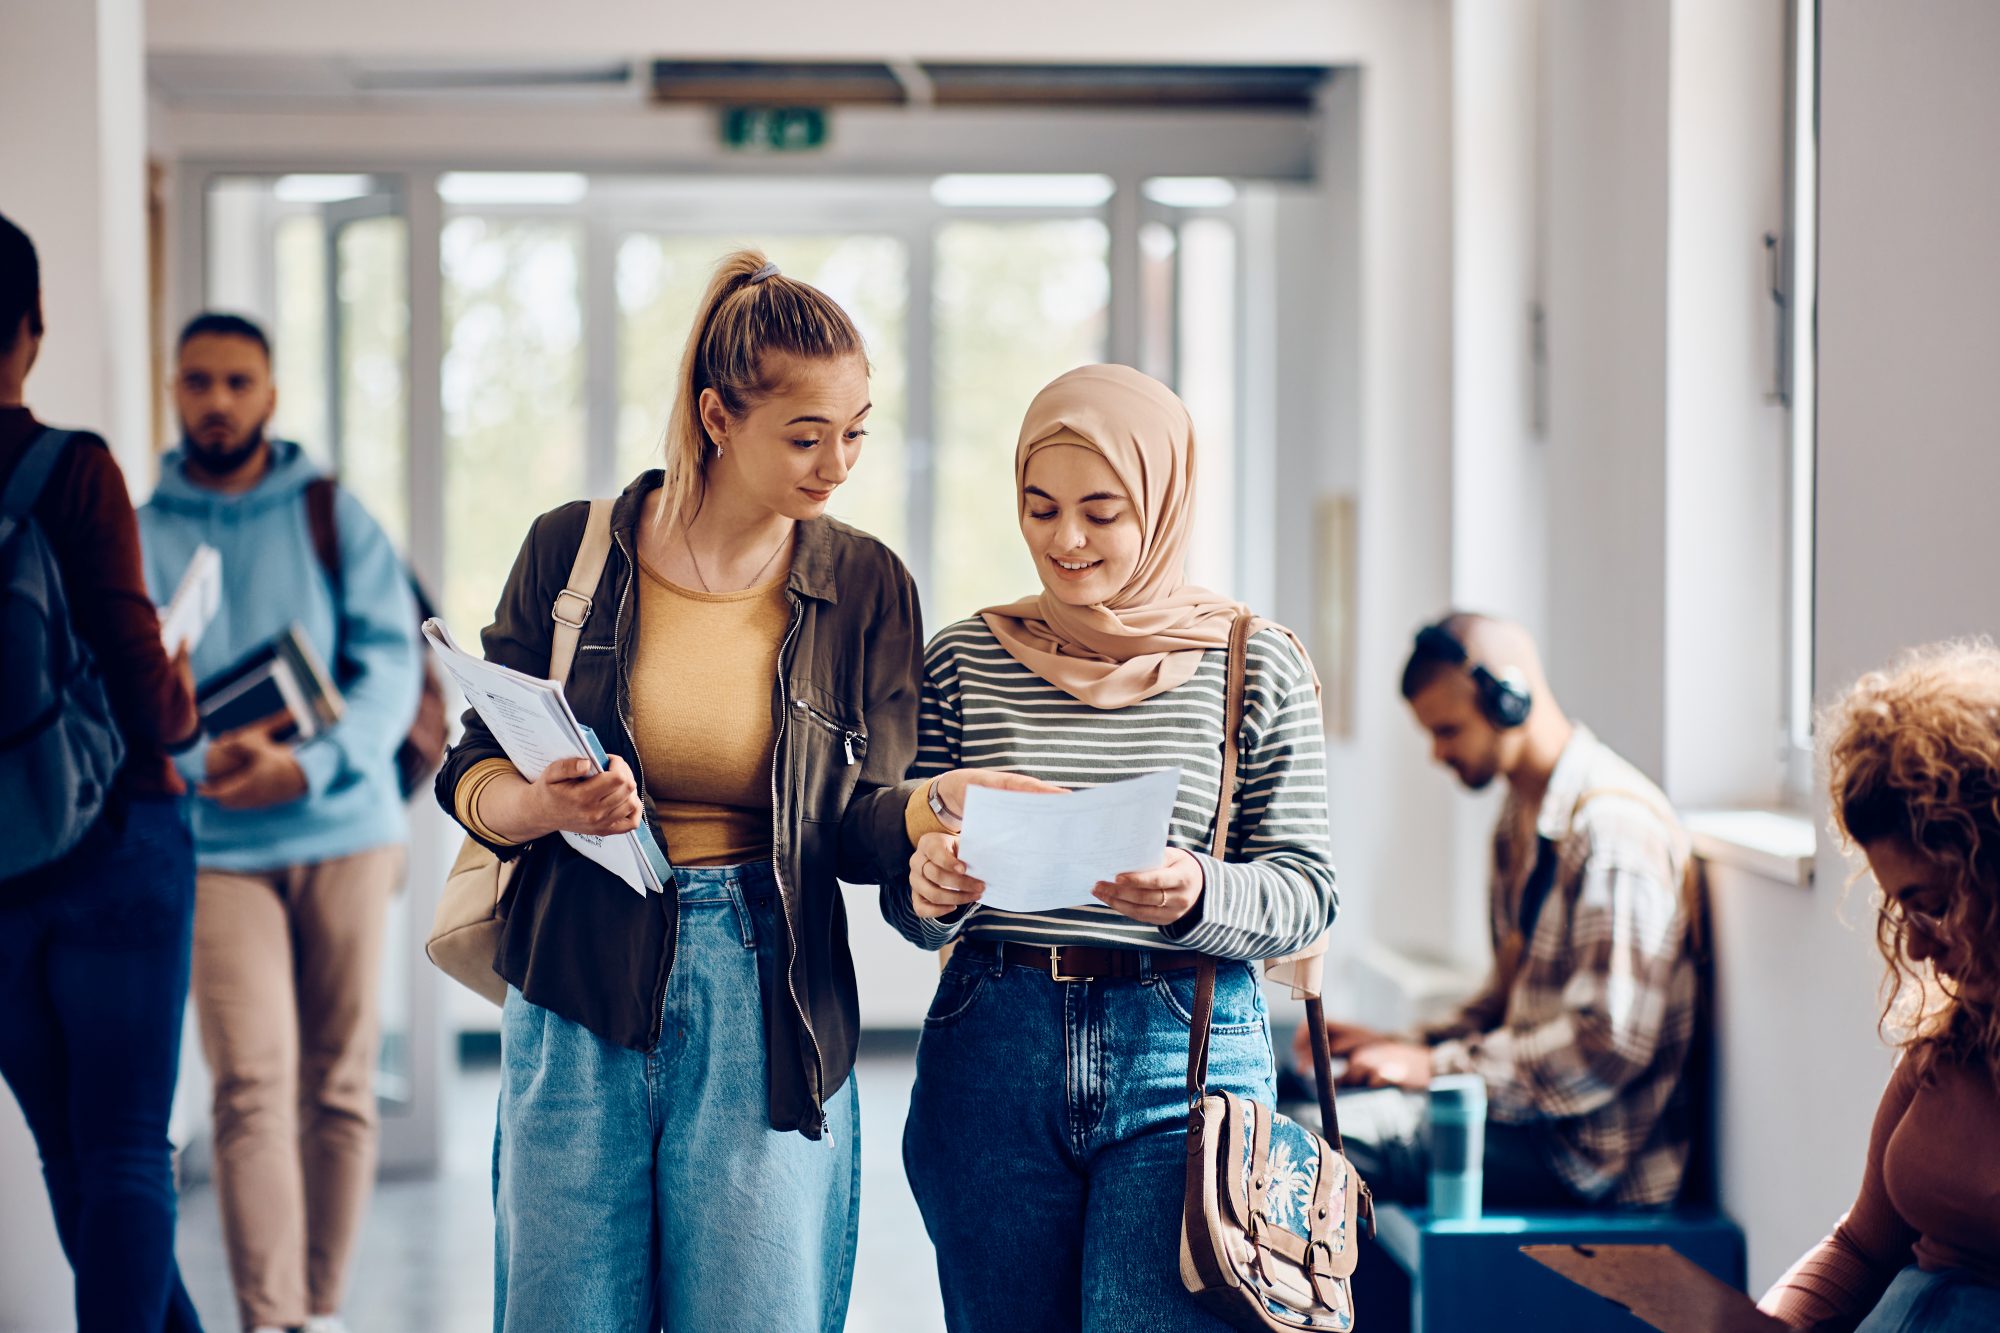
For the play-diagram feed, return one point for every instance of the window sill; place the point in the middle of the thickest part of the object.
(1778, 844)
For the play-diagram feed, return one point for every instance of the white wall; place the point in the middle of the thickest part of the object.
(1499, 458)
(1391, 181)
(1500, 473)
(76, 185)
(1725, 442)
(1909, 331)
(1607, 321)
(1798, 1066)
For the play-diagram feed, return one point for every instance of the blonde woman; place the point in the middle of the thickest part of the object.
(1913, 755)
(678, 1135)
(1046, 1135)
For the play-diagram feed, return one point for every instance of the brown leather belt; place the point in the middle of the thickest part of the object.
(1084, 962)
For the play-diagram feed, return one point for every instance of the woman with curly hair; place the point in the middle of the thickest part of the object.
(1913, 757)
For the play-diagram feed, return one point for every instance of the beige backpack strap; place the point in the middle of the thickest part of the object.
(573, 603)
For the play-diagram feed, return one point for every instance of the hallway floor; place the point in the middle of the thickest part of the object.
(425, 1262)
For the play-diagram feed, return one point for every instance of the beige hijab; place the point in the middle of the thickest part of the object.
(1150, 637)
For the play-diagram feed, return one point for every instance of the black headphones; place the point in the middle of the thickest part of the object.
(1504, 699)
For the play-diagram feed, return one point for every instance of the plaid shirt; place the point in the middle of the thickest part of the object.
(1590, 1037)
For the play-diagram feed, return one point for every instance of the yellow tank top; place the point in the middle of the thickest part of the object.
(703, 676)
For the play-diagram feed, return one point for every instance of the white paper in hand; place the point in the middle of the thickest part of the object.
(531, 719)
(1038, 851)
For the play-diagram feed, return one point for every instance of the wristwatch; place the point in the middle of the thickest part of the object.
(938, 807)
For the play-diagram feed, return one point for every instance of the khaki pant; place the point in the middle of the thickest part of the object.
(287, 966)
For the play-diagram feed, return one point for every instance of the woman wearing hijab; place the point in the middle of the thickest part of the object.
(1046, 1137)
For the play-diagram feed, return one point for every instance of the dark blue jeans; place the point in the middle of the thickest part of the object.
(93, 980)
(1047, 1141)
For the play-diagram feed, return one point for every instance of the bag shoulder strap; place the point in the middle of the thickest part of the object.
(1232, 728)
(31, 474)
(572, 605)
(321, 493)
(1204, 993)
(1301, 972)
(1225, 806)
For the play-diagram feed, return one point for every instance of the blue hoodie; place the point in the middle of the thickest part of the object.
(270, 578)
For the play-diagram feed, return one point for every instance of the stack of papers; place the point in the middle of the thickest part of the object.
(531, 719)
(195, 601)
(1039, 851)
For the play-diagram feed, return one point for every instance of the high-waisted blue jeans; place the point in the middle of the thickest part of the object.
(635, 1191)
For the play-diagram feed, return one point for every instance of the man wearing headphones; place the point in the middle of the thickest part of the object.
(1582, 1030)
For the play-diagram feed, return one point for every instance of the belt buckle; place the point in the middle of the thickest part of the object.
(1055, 966)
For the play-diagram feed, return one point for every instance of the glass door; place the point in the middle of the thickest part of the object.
(321, 261)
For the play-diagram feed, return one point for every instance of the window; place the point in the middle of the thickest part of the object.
(565, 306)
(1801, 296)
(1017, 304)
(322, 263)
(512, 387)
(371, 329)
(1206, 378)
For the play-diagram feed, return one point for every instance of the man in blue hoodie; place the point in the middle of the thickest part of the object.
(299, 847)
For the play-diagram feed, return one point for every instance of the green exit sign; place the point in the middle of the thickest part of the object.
(774, 129)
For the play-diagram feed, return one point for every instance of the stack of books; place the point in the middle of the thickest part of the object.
(281, 684)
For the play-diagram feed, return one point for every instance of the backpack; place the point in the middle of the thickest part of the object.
(422, 750)
(59, 746)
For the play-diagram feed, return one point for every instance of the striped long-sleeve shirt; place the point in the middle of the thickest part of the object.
(1273, 894)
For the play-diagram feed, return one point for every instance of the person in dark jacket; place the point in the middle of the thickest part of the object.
(679, 1134)
(94, 945)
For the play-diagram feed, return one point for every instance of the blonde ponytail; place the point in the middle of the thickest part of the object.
(749, 312)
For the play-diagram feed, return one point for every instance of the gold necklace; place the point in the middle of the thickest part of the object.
(769, 560)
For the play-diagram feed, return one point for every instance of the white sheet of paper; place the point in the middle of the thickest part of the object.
(531, 719)
(1037, 852)
(195, 601)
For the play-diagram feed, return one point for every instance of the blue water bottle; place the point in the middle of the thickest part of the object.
(1458, 1145)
